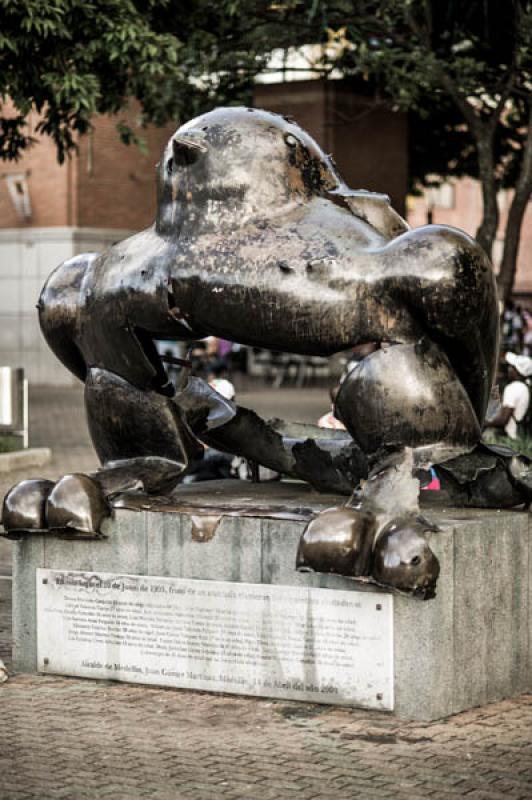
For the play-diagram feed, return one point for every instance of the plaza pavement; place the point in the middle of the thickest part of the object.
(76, 739)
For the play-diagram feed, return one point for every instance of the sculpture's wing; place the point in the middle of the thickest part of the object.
(373, 208)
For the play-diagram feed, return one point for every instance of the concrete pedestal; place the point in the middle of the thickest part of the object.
(469, 646)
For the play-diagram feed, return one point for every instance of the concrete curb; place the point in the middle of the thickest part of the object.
(21, 459)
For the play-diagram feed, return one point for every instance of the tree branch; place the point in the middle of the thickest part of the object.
(523, 190)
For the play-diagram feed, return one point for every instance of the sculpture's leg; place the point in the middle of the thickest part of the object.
(128, 423)
(407, 399)
(408, 395)
(142, 441)
(329, 461)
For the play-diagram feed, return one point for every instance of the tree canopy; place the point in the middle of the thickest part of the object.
(463, 71)
(72, 59)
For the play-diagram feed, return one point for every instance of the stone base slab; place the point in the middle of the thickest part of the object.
(469, 646)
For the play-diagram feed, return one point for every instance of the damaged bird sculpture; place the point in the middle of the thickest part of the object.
(258, 240)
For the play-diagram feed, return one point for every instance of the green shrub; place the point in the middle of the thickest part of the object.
(9, 443)
(522, 445)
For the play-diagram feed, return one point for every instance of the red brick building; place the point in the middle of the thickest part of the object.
(106, 185)
(50, 212)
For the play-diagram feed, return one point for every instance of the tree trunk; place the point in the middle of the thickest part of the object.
(516, 214)
(487, 229)
(512, 236)
(483, 133)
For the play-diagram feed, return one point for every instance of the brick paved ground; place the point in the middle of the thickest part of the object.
(68, 738)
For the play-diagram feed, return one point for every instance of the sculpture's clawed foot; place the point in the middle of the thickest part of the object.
(338, 540)
(25, 506)
(75, 503)
(403, 560)
(347, 541)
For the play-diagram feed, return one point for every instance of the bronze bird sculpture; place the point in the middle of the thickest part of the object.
(258, 240)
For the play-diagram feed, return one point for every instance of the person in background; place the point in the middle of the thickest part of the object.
(218, 355)
(515, 398)
(198, 356)
(328, 420)
(225, 350)
(512, 327)
(223, 387)
(527, 339)
(518, 330)
(170, 352)
(430, 481)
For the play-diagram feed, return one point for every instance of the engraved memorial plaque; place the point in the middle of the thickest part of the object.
(318, 645)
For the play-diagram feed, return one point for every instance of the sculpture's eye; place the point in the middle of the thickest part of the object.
(414, 562)
(290, 140)
(170, 166)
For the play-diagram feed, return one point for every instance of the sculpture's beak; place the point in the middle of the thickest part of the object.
(186, 151)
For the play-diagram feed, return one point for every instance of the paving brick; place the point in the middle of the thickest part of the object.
(82, 740)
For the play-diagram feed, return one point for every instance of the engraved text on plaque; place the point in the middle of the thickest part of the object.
(299, 643)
